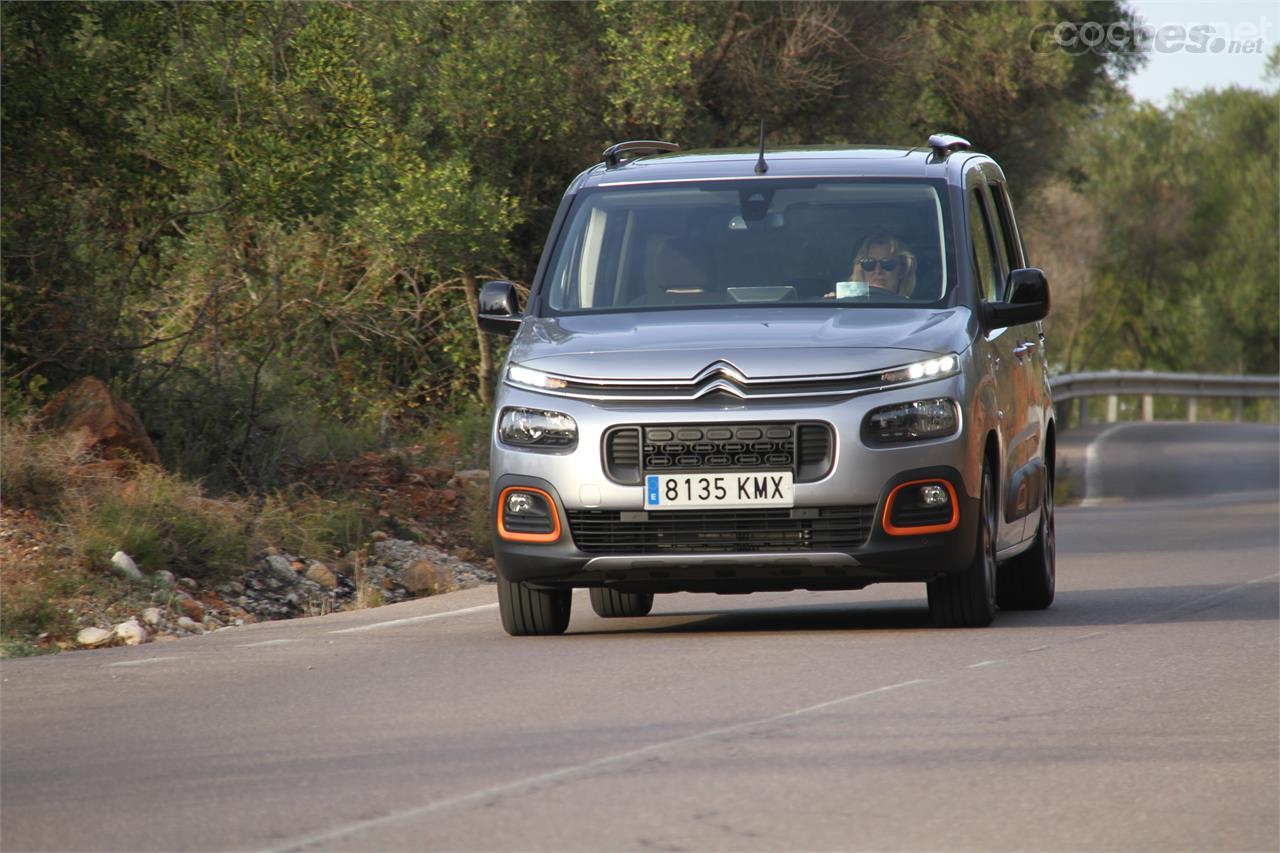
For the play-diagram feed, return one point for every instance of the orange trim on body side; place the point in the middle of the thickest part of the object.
(513, 536)
(928, 528)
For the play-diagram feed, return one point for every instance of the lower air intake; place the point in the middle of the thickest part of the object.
(742, 531)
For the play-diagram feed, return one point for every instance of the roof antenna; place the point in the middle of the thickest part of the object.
(761, 165)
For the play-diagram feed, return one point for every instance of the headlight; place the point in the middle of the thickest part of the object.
(934, 368)
(533, 378)
(913, 421)
(536, 428)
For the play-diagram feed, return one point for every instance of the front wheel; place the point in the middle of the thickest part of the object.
(527, 611)
(968, 599)
(611, 604)
(1027, 581)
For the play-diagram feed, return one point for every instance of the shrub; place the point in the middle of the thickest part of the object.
(161, 521)
(34, 466)
(460, 438)
(28, 612)
(310, 524)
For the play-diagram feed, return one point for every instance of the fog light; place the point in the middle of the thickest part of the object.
(519, 503)
(933, 495)
(527, 514)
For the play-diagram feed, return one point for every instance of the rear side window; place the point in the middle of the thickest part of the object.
(984, 259)
(1009, 238)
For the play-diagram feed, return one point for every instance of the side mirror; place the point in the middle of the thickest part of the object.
(1028, 300)
(499, 311)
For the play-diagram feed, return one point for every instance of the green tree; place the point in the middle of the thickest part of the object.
(1184, 200)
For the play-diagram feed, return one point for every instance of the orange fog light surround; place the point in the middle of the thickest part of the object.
(946, 527)
(515, 536)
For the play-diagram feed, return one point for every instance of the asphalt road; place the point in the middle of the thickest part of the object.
(1141, 712)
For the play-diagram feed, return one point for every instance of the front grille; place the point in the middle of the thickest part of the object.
(815, 456)
(737, 447)
(622, 455)
(725, 531)
(805, 449)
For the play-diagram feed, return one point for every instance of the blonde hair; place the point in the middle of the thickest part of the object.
(897, 249)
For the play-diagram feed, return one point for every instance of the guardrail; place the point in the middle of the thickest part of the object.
(1113, 384)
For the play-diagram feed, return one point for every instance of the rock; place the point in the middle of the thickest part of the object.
(152, 617)
(281, 568)
(298, 566)
(186, 623)
(423, 577)
(91, 638)
(321, 574)
(131, 633)
(111, 426)
(191, 608)
(379, 536)
(188, 583)
(165, 577)
(124, 565)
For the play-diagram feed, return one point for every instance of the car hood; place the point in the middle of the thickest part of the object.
(786, 342)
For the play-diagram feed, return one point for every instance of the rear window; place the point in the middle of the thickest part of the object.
(750, 243)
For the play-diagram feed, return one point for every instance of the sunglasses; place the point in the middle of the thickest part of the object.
(886, 264)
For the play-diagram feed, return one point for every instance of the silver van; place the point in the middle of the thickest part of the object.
(741, 371)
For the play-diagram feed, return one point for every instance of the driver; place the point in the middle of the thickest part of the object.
(885, 263)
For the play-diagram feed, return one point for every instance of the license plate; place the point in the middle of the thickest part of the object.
(713, 491)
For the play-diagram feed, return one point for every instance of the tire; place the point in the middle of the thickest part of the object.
(968, 599)
(529, 612)
(611, 604)
(1027, 581)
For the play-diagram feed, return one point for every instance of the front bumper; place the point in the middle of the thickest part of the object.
(879, 557)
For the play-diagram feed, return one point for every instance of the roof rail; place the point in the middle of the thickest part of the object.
(944, 143)
(636, 148)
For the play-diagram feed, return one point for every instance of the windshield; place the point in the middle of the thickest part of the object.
(750, 243)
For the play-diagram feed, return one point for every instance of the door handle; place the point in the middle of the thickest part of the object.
(1024, 348)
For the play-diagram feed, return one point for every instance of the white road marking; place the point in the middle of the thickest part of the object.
(1038, 649)
(1093, 467)
(982, 663)
(143, 662)
(415, 619)
(265, 643)
(530, 782)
